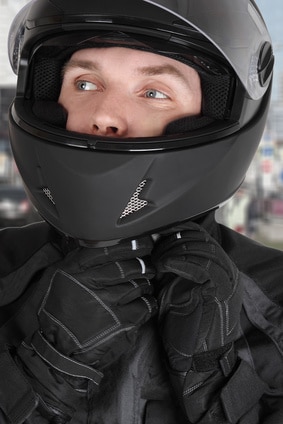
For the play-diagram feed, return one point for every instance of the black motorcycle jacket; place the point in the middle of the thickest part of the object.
(136, 388)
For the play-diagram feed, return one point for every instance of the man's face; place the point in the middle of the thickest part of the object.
(120, 92)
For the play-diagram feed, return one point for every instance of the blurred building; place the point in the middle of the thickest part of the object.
(8, 10)
(272, 12)
(264, 180)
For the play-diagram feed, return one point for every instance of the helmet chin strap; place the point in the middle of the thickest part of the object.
(94, 244)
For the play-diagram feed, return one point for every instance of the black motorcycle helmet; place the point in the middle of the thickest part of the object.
(100, 189)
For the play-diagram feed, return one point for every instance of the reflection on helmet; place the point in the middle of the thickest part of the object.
(101, 189)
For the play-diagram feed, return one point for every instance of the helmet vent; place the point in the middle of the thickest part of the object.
(135, 203)
(48, 194)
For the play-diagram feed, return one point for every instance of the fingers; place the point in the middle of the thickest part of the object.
(83, 258)
(117, 272)
(132, 290)
(124, 293)
(73, 316)
(193, 254)
(138, 311)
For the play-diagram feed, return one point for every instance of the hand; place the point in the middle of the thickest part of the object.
(93, 315)
(200, 297)
(97, 299)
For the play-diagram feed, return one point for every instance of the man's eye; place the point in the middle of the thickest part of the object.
(86, 86)
(155, 94)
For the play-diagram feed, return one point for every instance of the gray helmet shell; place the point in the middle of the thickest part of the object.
(101, 189)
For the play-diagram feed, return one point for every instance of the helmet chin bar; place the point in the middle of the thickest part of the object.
(93, 244)
(83, 192)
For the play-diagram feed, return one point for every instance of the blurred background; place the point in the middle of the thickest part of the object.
(15, 207)
(255, 210)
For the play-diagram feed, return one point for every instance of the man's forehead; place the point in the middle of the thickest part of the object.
(149, 64)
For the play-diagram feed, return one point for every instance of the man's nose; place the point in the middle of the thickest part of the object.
(109, 119)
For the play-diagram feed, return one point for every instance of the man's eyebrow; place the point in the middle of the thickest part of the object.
(161, 70)
(84, 64)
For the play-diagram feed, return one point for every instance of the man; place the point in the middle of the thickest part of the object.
(130, 304)
(153, 90)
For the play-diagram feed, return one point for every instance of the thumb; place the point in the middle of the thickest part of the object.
(184, 269)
